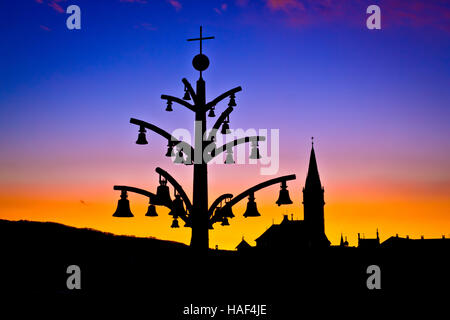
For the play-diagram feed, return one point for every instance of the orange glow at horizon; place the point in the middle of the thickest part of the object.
(352, 207)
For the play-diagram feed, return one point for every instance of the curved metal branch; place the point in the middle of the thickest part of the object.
(221, 97)
(259, 186)
(217, 201)
(148, 194)
(190, 89)
(143, 192)
(163, 133)
(177, 187)
(219, 122)
(236, 142)
(179, 101)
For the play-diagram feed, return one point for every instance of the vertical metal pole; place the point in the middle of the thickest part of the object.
(200, 230)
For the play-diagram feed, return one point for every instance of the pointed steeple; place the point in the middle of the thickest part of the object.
(312, 178)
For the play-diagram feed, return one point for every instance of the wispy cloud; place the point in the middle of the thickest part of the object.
(134, 1)
(145, 26)
(56, 6)
(45, 28)
(53, 4)
(176, 4)
(414, 13)
(223, 7)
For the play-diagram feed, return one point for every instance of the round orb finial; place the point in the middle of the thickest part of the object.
(200, 62)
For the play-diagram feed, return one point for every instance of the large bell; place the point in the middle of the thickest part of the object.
(251, 211)
(284, 195)
(123, 207)
(163, 194)
(142, 139)
(151, 212)
(175, 223)
(177, 207)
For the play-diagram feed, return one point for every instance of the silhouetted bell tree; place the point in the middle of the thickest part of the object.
(196, 214)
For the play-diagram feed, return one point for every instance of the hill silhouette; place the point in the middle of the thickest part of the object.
(35, 256)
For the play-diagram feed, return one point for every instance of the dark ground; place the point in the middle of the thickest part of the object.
(162, 277)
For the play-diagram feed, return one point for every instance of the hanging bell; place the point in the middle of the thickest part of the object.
(229, 159)
(283, 198)
(188, 224)
(179, 158)
(226, 212)
(254, 154)
(123, 207)
(169, 152)
(210, 225)
(175, 223)
(251, 211)
(225, 128)
(151, 212)
(232, 102)
(177, 207)
(186, 94)
(163, 193)
(211, 113)
(225, 222)
(141, 137)
(169, 106)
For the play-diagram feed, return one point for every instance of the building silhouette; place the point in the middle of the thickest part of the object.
(307, 233)
(396, 242)
(368, 243)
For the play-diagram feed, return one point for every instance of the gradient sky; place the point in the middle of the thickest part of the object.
(376, 101)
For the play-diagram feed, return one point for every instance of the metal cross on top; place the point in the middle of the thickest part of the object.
(200, 39)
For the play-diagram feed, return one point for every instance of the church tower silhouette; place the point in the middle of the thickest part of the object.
(313, 204)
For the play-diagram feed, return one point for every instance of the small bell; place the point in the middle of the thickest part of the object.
(162, 193)
(226, 212)
(177, 207)
(141, 137)
(188, 224)
(283, 198)
(169, 106)
(211, 113)
(169, 152)
(175, 223)
(225, 222)
(123, 207)
(229, 159)
(179, 158)
(232, 102)
(151, 212)
(251, 211)
(225, 128)
(210, 226)
(254, 154)
(186, 94)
